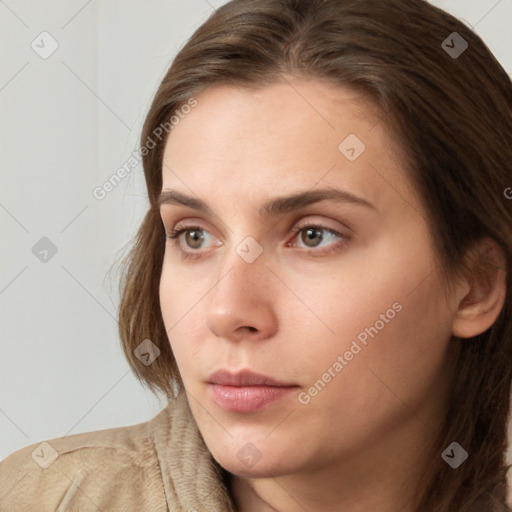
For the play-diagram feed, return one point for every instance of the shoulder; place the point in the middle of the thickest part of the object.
(113, 469)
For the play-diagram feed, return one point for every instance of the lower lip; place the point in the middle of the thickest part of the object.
(247, 398)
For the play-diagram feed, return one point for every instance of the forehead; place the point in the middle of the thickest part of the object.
(296, 134)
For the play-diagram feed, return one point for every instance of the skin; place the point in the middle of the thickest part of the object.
(363, 442)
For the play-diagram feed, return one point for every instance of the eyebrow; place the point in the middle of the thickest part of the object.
(276, 206)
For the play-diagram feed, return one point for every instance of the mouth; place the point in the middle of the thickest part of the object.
(246, 391)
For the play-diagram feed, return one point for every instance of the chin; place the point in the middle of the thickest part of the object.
(260, 469)
(251, 460)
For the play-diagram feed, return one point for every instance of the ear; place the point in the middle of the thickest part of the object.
(481, 293)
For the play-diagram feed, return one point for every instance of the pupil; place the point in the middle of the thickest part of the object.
(196, 237)
(311, 233)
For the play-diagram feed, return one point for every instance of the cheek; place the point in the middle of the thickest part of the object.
(391, 328)
(180, 304)
(181, 290)
(393, 345)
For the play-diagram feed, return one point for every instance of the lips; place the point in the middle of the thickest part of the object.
(246, 391)
(244, 378)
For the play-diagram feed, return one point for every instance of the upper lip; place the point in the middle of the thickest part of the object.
(244, 378)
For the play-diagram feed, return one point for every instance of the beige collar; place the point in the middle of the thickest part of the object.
(192, 479)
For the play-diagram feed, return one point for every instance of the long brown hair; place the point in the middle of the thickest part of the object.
(452, 117)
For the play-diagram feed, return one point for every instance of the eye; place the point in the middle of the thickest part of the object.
(191, 239)
(312, 236)
(194, 236)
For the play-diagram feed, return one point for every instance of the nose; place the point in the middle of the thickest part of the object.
(242, 303)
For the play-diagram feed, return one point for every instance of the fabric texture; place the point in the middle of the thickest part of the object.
(161, 465)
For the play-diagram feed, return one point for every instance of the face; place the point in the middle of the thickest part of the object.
(335, 296)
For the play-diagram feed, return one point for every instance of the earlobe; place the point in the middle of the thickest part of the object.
(483, 291)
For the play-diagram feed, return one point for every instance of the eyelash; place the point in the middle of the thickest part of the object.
(179, 230)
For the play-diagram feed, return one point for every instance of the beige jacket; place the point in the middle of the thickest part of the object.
(158, 466)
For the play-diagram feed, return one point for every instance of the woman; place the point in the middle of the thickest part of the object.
(320, 283)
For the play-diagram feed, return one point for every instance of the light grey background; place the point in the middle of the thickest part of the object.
(67, 123)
